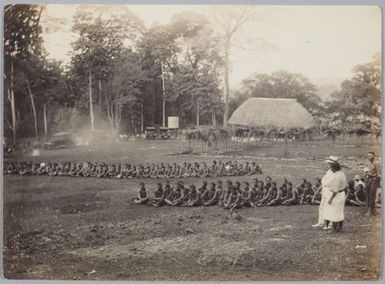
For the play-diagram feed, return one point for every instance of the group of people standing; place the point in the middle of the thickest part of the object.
(331, 209)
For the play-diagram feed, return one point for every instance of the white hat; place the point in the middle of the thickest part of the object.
(42, 165)
(357, 177)
(332, 159)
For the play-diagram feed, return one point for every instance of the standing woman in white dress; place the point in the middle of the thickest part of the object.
(335, 186)
(322, 223)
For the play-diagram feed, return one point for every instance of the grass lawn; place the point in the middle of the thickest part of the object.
(84, 228)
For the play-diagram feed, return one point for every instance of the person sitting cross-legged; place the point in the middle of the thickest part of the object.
(158, 199)
(356, 193)
(293, 195)
(217, 194)
(142, 195)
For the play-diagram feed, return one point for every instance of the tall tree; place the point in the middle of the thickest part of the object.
(127, 81)
(229, 23)
(196, 85)
(281, 84)
(360, 96)
(102, 37)
(159, 50)
(22, 41)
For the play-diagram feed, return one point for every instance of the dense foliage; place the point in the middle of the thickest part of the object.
(125, 76)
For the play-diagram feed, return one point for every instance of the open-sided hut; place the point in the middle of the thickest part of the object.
(267, 112)
(285, 114)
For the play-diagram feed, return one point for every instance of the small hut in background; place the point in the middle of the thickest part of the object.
(286, 114)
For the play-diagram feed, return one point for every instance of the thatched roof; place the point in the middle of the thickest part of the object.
(272, 112)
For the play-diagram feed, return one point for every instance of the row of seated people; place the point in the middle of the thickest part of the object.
(161, 171)
(235, 196)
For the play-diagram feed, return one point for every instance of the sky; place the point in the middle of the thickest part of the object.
(323, 43)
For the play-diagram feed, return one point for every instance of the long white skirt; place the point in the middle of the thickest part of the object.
(321, 209)
(335, 211)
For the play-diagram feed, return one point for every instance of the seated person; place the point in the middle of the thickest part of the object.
(161, 172)
(170, 170)
(316, 199)
(194, 197)
(25, 169)
(42, 169)
(204, 171)
(259, 192)
(72, 169)
(35, 168)
(276, 195)
(202, 188)
(247, 196)
(158, 199)
(246, 169)
(237, 187)
(55, 169)
(239, 171)
(154, 171)
(140, 171)
(356, 194)
(283, 190)
(112, 172)
(307, 194)
(293, 195)
(134, 172)
(178, 196)
(225, 193)
(49, 169)
(147, 171)
(178, 171)
(216, 196)
(79, 167)
(221, 170)
(168, 190)
(85, 170)
(233, 199)
(63, 169)
(208, 193)
(105, 168)
(142, 195)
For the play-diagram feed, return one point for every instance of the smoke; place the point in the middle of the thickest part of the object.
(86, 137)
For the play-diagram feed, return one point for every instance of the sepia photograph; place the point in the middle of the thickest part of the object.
(199, 142)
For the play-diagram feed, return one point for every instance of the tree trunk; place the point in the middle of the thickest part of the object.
(13, 108)
(45, 122)
(100, 96)
(286, 150)
(227, 85)
(214, 119)
(154, 110)
(163, 99)
(142, 118)
(91, 104)
(33, 108)
(197, 112)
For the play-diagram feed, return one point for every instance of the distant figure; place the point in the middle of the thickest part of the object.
(371, 171)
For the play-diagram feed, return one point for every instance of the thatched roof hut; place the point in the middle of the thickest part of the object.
(269, 112)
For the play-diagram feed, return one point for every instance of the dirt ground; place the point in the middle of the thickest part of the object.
(84, 228)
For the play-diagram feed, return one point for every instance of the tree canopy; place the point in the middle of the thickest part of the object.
(128, 76)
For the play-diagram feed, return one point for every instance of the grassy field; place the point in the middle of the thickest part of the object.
(84, 228)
